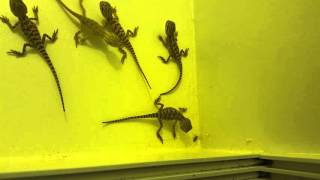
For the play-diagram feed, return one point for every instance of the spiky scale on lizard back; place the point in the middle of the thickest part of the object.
(30, 30)
(171, 43)
(112, 25)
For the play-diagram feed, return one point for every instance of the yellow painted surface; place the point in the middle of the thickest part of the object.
(259, 74)
(96, 87)
(253, 69)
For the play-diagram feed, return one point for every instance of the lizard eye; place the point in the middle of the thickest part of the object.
(170, 27)
(18, 8)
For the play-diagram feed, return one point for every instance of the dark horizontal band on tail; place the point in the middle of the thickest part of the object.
(153, 115)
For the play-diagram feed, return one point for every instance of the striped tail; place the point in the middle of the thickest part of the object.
(44, 54)
(131, 50)
(178, 82)
(153, 115)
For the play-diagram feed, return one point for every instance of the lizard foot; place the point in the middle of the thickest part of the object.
(15, 53)
(55, 35)
(4, 19)
(160, 138)
(35, 10)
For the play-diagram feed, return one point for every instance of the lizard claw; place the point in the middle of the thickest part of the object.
(4, 19)
(186, 52)
(160, 138)
(15, 53)
(161, 58)
(55, 35)
(160, 38)
(135, 31)
(35, 9)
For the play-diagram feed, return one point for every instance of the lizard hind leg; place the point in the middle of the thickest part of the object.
(174, 129)
(159, 130)
(78, 39)
(20, 54)
(124, 55)
(184, 53)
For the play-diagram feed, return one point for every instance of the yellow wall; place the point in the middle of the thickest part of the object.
(258, 71)
(96, 88)
(259, 74)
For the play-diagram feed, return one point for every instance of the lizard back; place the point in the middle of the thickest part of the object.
(33, 35)
(112, 24)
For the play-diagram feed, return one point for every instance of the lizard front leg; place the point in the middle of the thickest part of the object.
(159, 130)
(20, 54)
(52, 39)
(157, 103)
(78, 39)
(166, 61)
(163, 41)
(35, 11)
(6, 21)
(132, 34)
(184, 53)
(124, 55)
(183, 110)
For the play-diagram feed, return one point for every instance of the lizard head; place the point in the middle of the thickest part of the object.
(106, 10)
(170, 28)
(185, 125)
(18, 8)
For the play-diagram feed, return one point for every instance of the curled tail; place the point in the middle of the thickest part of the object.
(44, 54)
(153, 115)
(178, 82)
(130, 48)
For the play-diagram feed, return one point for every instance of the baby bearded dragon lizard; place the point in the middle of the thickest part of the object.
(30, 30)
(112, 25)
(169, 114)
(174, 52)
(90, 27)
